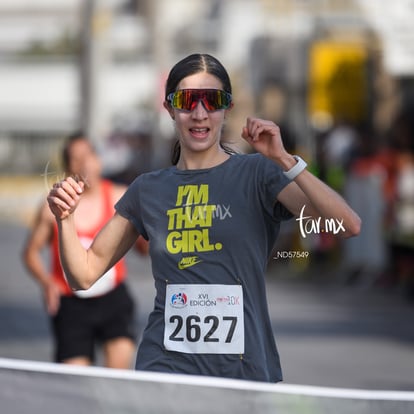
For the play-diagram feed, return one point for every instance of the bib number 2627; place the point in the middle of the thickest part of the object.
(204, 319)
(195, 329)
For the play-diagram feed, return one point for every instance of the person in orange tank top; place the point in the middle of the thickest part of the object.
(103, 314)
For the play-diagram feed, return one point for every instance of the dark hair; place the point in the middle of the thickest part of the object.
(192, 64)
(75, 136)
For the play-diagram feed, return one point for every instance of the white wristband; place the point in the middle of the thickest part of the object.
(296, 169)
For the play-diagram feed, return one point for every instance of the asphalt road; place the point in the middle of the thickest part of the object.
(327, 334)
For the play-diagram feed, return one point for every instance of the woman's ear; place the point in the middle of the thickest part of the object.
(170, 110)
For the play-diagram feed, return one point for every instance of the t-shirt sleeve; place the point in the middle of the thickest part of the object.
(271, 182)
(129, 206)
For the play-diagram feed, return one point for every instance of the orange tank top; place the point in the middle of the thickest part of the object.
(114, 276)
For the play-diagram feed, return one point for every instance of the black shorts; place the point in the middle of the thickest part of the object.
(82, 323)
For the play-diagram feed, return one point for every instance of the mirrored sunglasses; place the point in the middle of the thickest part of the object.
(212, 99)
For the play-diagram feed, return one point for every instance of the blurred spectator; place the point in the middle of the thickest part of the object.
(128, 150)
(334, 153)
(400, 157)
(104, 313)
(366, 257)
(380, 187)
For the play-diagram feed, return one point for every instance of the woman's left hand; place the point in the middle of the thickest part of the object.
(264, 136)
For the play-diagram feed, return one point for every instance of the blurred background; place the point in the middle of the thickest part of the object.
(336, 75)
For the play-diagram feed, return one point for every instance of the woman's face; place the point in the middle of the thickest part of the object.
(84, 162)
(198, 130)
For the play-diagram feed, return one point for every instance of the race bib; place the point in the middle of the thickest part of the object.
(204, 319)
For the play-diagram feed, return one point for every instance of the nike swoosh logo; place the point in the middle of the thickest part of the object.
(185, 263)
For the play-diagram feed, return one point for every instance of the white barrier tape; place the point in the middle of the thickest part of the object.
(203, 381)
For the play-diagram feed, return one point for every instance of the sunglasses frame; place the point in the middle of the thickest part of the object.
(201, 96)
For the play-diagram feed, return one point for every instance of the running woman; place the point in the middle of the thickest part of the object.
(211, 220)
(104, 314)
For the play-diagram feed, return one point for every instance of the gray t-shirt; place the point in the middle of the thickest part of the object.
(217, 227)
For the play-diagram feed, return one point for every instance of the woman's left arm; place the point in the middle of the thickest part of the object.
(306, 196)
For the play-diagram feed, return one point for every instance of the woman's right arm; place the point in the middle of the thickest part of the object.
(83, 267)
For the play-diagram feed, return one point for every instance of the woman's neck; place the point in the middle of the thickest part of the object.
(202, 160)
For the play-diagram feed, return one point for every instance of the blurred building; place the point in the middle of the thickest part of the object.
(100, 65)
(48, 80)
